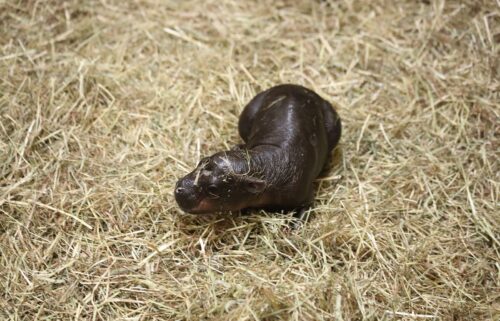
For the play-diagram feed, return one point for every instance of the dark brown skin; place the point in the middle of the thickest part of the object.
(289, 132)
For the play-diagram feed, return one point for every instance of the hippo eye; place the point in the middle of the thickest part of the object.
(209, 167)
(212, 190)
(203, 161)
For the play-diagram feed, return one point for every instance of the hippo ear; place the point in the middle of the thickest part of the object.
(254, 185)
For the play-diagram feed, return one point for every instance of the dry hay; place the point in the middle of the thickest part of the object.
(104, 104)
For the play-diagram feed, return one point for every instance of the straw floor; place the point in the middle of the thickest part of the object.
(104, 104)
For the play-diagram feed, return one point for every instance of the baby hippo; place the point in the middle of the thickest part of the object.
(289, 132)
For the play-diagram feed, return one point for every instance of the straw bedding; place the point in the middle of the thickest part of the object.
(105, 104)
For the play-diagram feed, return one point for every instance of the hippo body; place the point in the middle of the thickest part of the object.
(289, 132)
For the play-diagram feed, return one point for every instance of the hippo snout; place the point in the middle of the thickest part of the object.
(186, 194)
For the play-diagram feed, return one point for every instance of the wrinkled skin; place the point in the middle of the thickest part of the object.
(288, 131)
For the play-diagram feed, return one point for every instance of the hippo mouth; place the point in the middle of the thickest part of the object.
(207, 206)
(204, 206)
(195, 202)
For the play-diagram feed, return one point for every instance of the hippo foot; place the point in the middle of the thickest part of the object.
(238, 147)
(301, 216)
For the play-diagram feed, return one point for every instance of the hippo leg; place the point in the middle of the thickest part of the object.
(302, 213)
(247, 116)
(333, 125)
(238, 147)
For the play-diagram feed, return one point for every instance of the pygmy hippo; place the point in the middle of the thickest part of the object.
(288, 132)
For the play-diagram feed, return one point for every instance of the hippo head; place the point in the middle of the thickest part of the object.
(221, 182)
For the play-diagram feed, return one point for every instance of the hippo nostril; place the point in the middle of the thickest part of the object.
(179, 190)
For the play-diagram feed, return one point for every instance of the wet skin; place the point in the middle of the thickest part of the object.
(289, 132)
